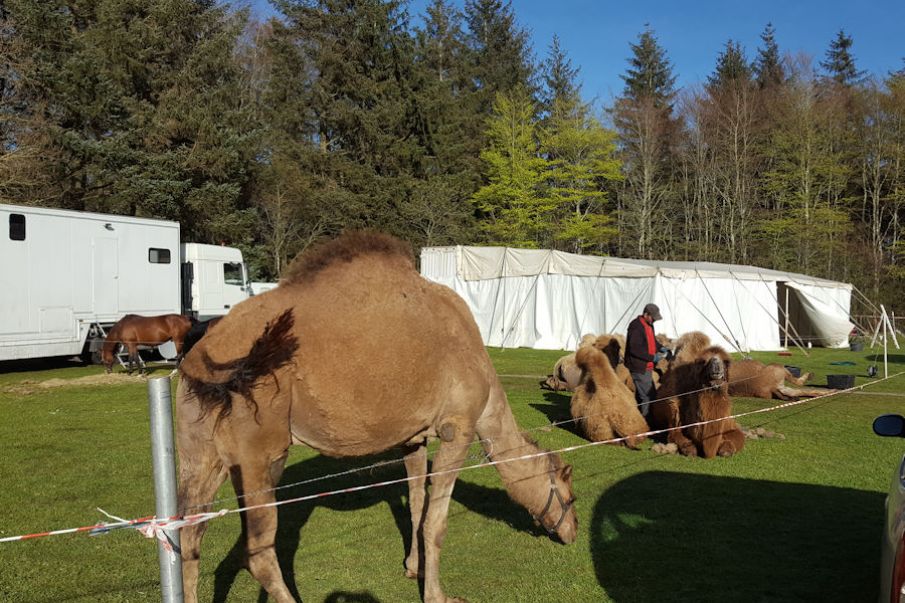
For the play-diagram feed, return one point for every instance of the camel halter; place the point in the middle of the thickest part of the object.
(563, 505)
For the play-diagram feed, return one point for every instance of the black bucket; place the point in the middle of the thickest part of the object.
(795, 370)
(840, 381)
(856, 346)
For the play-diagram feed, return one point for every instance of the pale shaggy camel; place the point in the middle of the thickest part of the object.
(602, 405)
(695, 389)
(567, 374)
(755, 379)
(265, 378)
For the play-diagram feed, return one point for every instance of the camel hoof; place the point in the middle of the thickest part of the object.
(689, 450)
(726, 450)
(412, 574)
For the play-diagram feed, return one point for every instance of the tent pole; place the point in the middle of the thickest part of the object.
(873, 340)
(892, 330)
(787, 317)
(885, 358)
(713, 301)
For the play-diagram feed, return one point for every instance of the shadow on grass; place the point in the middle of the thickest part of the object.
(661, 536)
(491, 502)
(557, 411)
(39, 364)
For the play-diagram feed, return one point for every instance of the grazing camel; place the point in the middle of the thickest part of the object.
(602, 405)
(416, 369)
(755, 379)
(695, 389)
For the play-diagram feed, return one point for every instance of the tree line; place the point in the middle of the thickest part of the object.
(443, 128)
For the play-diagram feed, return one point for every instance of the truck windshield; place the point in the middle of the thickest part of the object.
(232, 274)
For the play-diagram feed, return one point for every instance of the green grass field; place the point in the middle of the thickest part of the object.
(796, 518)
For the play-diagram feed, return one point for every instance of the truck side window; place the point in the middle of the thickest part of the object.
(232, 273)
(17, 227)
(158, 256)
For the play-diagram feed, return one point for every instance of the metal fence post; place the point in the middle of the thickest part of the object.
(163, 453)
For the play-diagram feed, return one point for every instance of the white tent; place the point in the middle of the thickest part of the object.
(548, 299)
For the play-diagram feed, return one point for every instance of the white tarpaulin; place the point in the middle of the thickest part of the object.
(549, 299)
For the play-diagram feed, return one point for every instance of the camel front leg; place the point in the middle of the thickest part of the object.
(200, 474)
(456, 439)
(416, 468)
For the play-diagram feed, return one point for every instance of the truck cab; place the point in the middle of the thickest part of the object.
(214, 279)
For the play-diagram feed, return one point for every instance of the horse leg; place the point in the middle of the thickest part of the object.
(260, 524)
(455, 439)
(416, 468)
(200, 474)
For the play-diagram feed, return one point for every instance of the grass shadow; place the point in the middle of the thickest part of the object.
(557, 410)
(292, 517)
(661, 536)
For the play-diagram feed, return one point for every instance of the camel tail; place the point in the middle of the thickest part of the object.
(271, 351)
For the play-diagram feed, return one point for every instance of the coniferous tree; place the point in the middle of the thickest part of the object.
(650, 75)
(647, 130)
(768, 69)
(133, 108)
(840, 62)
(501, 52)
(559, 78)
(731, 67)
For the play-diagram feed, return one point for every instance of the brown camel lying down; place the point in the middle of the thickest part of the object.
(567, 374)
(602, 405)
(695, 389)
(755, 379)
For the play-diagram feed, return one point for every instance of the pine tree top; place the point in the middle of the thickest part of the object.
(731, 67)
(650, 72)
(767, 67)
(840, 62)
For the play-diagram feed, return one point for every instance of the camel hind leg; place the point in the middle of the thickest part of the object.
(254, 480)
(793, 393)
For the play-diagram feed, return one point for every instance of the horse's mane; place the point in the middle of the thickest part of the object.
(345, 248)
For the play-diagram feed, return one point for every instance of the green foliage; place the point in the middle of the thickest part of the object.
(515, 211)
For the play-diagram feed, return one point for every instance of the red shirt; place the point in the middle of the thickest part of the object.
(651, 341)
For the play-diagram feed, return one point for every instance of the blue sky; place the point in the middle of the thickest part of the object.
(596, 35)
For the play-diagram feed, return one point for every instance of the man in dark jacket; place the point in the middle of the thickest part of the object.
(642, 353)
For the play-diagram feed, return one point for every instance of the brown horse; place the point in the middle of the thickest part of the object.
(132, 330)
(416, 369)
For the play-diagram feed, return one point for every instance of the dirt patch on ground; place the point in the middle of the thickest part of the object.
(31, 386)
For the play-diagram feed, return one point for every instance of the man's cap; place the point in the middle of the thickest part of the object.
(653, 310)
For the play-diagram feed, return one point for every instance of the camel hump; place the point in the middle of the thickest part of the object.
(213, 383)
(343, 249)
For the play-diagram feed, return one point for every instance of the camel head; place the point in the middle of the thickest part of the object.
(716, 366)
(558, 516)
(611, 348)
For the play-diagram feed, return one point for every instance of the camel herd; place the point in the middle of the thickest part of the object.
(694, 389)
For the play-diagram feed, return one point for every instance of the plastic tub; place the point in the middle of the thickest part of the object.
(795, 370)
(840, 381)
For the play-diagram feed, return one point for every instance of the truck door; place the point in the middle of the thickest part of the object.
(234, 290)
(106, 276)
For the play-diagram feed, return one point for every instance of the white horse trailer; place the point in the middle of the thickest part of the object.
(69, 275)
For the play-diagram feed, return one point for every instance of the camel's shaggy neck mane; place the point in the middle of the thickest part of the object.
(345, 248)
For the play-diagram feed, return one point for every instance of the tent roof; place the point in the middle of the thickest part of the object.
(479, 263)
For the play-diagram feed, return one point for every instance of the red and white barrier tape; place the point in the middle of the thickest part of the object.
(152, 526)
